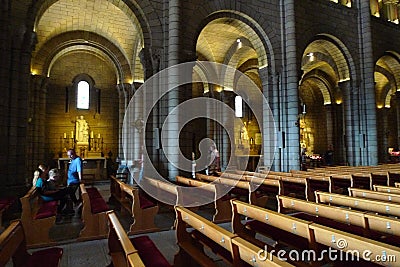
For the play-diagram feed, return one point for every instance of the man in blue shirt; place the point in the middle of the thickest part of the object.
(74, 174)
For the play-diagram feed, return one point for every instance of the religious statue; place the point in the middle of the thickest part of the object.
(82, 130)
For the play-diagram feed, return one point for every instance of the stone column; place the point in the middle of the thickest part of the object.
(172, 129)
(350, 123)
(368, 131)
(397, 101)
(289, 92)
(329, 124)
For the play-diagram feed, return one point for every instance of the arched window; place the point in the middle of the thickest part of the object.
(238, 106)
(82, 98)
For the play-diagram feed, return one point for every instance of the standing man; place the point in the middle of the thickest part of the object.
(74, 174)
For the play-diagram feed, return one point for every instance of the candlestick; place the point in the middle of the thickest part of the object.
(91, 134)
(98, 136)
(65, 135)
(72, 134)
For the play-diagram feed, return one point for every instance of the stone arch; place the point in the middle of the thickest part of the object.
(63, 43)
(259, 38)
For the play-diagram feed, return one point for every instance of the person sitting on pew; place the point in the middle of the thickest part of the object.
(36, 173)
(52, 182)
(49, 194)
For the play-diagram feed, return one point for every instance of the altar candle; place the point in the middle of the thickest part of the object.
(72, 134)
(91, 135)
(65, 135)
(98, 136)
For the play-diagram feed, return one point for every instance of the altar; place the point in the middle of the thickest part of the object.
(94, 169)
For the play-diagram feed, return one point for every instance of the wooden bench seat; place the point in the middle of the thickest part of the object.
(204, 232)
(387, 189)
(393, 177)
(381, 207)
(137, 203)
(13, 246)
(37, 218)
(237, 188)
(195, 232)
(347, 242)
(379, 178)
(380, 228)
(223, 211)
(94, 216)
(135, 251)
(370, 194)
(339, 183)
(322, 237)
(359, 180)
(142, 209)
(279, 227)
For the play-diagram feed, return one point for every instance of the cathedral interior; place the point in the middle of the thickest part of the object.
(275, 84)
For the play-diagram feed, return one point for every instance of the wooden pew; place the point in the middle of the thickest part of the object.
(37, 218)
(223, 211)
(165, 191)
(347, 242)
(239, 188)
(379, 228)
(250, 254)
(381, 207)
(13, 246)
(142, 209)
(322, 237)
(206, 233)
(345, 216)
(360, 180)
(123, 251)
(94, 216)
(285, 230)
(295, 187)
(115, 188)
(317, 183)
(234, 250)
(379, 178)
(339, 183)
(134, 201)
(387, 189)
(393, 177)
(370, 194)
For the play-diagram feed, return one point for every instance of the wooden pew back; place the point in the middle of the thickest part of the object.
(220, 236)
(364, 204)
(336, 213)
(387, 189)
(121, 250)
(13, 246)
(347, 242)
(370, 194)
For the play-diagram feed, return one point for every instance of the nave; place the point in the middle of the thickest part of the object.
(300, 223)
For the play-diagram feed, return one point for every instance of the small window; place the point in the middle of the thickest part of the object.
(238, 106)
(82, 101)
